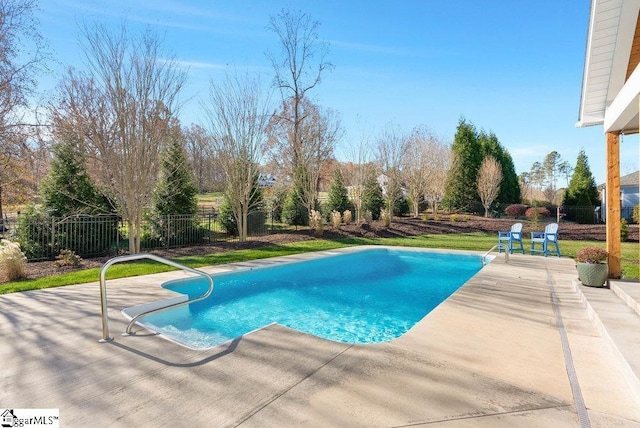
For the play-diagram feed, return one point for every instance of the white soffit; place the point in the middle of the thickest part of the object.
(611, 29)
(622, 114)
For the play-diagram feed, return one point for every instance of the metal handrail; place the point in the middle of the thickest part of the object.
(498, 245)
(119, 259)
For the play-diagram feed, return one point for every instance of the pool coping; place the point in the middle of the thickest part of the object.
(489, 355)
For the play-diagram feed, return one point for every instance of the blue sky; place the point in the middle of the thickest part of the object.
(510, 67)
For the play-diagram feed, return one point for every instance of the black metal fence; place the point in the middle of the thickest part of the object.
(592, 215)
(43, 237)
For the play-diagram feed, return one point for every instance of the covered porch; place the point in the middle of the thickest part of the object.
(610, 97)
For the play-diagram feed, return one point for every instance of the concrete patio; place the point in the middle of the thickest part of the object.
(491, 355)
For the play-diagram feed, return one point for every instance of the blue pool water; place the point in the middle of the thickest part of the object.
(368, 296)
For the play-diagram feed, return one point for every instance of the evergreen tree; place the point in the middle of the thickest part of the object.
(510, 192)
(582, 181)
(338, 197)
(372, 199)
(584, 214)
(400, 204)
(509, 186)
(461, 193)
(68, 188)
(294, 210)
(175, 192)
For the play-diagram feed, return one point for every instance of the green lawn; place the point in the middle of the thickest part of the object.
(466, 241)
(210, 197)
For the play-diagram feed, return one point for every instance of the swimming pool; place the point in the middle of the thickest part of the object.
(366, 296)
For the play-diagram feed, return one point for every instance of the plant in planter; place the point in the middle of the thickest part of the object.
(591, 263)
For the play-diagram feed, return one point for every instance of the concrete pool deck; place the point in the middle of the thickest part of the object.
(490, 355)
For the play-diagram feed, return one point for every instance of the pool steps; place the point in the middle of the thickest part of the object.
(106, 337)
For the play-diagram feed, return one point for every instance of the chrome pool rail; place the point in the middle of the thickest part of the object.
(501, 246)
(103, 290)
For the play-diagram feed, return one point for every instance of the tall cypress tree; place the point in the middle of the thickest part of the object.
(581, 181)
(460, 192)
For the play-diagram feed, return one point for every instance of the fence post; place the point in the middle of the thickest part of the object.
(53, 235)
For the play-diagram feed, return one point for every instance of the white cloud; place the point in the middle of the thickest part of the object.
(201, 65)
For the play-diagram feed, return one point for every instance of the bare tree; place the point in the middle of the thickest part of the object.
(553, 167)
(319, 134)
(439, 156)
(205, 165)
(524, 179)
(357, 171)
(489, 178)
(298, 69)
(238, 114)
(122, 107)
(390, 154)
(416, 165)
(21, 57)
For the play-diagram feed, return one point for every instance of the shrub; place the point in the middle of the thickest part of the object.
(385, 217)
(401, 206)
(346, 217)
(227, 219)
(316, 223)
(515, 210)
(13, 262)
(336, 218)
(537, 212)
(592, 255)
(256, 221)
(41, 236)
(67, 258)
(466, 217)
(367, 217)
(294, 212)
(624, 230)
(454, 217)
(636, 214)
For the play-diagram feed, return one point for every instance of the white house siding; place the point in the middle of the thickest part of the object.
(629, 195)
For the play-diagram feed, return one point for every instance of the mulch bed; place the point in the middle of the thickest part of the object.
(400, 227)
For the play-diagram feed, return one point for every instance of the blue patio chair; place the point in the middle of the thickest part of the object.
(514, 236)
(545, 239)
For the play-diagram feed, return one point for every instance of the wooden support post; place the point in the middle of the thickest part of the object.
(613, 204)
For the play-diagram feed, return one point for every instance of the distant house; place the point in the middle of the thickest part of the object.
(383, 181)
(266, 180)
(629, 195)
